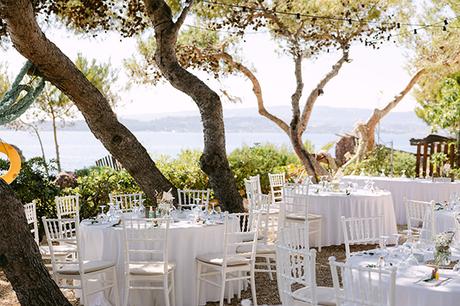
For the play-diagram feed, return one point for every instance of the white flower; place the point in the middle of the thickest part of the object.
(167, 196)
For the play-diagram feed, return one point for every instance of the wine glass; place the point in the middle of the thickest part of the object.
(102, 216)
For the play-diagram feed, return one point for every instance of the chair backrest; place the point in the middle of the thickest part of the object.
(68, 207)
(420, 218)
(188, 198)
(251, 191)
(31, 215)
(294, 207)
(363, 286)
(256, 182)
(62, 231)
(295, 266)
(126, 201)
(276, 186)
(239, 232)
(146, 240)
(366, 230)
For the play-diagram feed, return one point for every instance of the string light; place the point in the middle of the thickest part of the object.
(315, 17)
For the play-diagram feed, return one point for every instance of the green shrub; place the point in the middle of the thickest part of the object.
(184, 171)
(380, 159)
(260, 159)
(34, 184)
(95, 187)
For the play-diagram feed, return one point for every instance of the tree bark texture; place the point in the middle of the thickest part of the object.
(20, 258)
(58, 69)
(214, 159)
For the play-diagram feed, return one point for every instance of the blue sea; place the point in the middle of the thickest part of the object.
(80, 149)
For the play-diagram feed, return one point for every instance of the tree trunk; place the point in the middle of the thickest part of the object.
(41, 148)
(58, 69)
(20, 258)
(310, 164)
(56, 144)
(214, 160)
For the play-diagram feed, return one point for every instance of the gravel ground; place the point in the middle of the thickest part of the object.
(267, 291)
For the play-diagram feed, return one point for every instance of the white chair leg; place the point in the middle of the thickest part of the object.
(116, 293)
(198, 284)
(126, 297)
(229, 292)
(83, 298)
(269, 268)
(240, 274)
(222, 289)
(319, 234)
(166, 288)
(173, 290)
(253, 288)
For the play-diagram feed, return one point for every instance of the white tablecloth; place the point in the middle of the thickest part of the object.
(361, 204)
(409, 293)
(186, 242)
(412, 189)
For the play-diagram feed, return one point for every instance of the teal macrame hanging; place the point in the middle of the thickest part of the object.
(12, 105)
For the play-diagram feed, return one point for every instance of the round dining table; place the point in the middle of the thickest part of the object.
(412, 189)
(411, 289)
(333, 205)
(186, 241)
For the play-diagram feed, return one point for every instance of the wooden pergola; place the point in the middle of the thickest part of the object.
(430, 145)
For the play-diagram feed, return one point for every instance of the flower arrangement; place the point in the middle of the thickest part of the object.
(442, 244)
(164, 202)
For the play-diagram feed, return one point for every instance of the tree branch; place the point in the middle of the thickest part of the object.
(378, 114)
(295, 98)
(256, 88)
(319, 89)
(180, 20)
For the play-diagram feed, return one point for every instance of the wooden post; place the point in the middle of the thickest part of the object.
(432, 150)
(425, 158)
(417, 162)
(452, 155)
(439, 167)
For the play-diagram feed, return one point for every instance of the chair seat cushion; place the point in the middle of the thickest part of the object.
(151, 268)
(262, 248)
(301, 217)
(88, 267)
(217, 259)
(325, 296)
(59, 250)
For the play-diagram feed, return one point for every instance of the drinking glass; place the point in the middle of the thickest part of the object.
(102, 216)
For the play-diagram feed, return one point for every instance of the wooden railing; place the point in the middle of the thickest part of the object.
(109, 161)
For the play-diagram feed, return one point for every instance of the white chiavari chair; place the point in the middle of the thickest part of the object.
(296, 270)
(146, 243)
(363, 286)
(277, 182)
(231, 266)
(90, 274)
(61, 251)
(31, 216)
(268, 229)
(68, 207)
(189, 198)
(366, 230)
(256, 181)
(294, 209)
(126, 201)
(420, 219)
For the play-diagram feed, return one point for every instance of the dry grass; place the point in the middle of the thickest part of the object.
(267, 291)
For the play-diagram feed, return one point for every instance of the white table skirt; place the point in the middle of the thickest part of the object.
(412, 189)
(186, 242)
(409, 293)
(334, 205)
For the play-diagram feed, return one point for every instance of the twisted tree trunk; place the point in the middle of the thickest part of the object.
(214, 159)
(58, 69)
(20, 258)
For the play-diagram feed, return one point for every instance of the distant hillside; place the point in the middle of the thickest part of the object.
(323, 120)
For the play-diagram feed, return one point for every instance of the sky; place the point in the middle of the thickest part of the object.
(370, 80)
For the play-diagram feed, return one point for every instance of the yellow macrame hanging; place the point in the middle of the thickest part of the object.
(15, 162)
